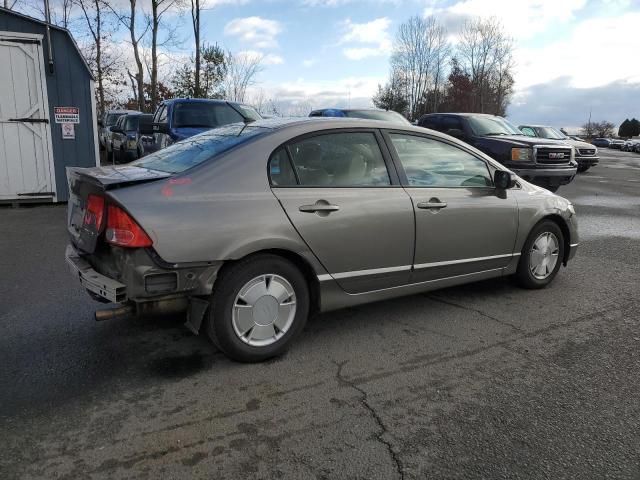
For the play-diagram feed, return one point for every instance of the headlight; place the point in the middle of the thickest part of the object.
(521, 154)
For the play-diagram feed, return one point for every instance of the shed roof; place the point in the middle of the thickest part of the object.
(6, 11)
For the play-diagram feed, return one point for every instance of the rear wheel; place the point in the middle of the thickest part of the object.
(541, 255)
(260, 305)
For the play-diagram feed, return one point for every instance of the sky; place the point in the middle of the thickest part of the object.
(572, 57)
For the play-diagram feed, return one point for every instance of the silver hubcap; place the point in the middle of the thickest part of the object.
(263, 310)
(544, 255)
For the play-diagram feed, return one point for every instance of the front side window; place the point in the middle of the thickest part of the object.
(351, 159)
(431, 163)
(162, 115)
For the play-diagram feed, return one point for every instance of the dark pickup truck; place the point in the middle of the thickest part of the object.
(545, 163)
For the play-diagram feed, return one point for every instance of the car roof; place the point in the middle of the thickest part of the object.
(195, 100)
(462, 114)
(327, 123)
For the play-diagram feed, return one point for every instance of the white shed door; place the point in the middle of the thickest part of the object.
(25, 156)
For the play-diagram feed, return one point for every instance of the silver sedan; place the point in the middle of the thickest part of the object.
(250, 229)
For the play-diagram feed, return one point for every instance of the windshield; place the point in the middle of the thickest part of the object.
(551, 133)
(387, 116)
(248, 112)
(204, 115)
(112, 118)
(200, 148)
(131, 123)
(492, 126)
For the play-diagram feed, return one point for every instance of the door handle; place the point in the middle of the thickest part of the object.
(434, 203)
(319, 208)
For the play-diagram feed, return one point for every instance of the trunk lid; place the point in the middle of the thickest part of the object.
(96, 181)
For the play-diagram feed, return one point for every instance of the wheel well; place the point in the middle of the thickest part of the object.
(304, 266)
(558, 220)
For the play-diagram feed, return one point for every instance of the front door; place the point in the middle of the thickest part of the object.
(462, 225)
(25, 156)
(339, 195)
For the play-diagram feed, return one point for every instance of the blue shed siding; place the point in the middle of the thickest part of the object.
(68, 86)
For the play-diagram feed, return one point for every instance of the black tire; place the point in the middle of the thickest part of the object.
(219, 324)
(524, 275)
(583, 168)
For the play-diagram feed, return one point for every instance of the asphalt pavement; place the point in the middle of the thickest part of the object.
(480, 381)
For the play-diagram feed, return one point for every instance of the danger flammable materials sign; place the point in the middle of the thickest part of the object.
(67, 114)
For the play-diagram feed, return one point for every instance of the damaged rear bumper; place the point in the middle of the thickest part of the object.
(95, 282)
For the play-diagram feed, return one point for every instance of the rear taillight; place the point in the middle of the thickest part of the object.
(123, 231)
(94, 213)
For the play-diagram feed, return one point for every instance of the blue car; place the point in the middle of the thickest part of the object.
(181, 118)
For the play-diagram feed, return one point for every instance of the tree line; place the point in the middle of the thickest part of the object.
(149, 30)
(430, 74)
(606, 129)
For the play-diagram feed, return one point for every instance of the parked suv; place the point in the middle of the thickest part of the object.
(127, 143)
(585, 154)
(181, 118)
(545, 163)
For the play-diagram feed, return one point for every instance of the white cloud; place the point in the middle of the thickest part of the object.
(596, 52)
(266, 58)
(309, 62)
(521, 18)
(367, 39)
(257, 32)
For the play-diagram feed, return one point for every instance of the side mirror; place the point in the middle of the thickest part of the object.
(455, 132)
(159, 128)
(504, 180)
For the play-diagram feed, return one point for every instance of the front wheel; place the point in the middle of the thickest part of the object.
(541, 256)
(259, 306)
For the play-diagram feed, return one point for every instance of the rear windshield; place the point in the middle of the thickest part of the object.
(193, 151)
(204, 115)
(378, 115)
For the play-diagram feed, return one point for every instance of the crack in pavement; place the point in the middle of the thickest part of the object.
(372, 412)
(471, 309)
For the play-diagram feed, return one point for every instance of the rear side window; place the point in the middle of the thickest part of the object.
(281, 172)
(203, 115)
(432, 163)
(350, 159)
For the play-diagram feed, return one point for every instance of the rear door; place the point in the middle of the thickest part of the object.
(347, 205)
(26, 161)
(463, 225)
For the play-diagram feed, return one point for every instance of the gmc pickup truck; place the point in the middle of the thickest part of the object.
(546, 163)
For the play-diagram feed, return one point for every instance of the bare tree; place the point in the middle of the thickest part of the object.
(241, 74)
(419, 56)
(158, 9)
(93, 12)
(130, 23)
(486, 53)
(196, 9)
